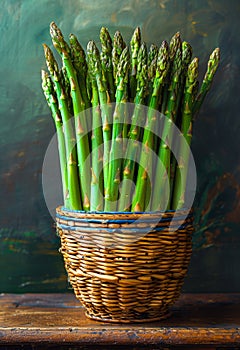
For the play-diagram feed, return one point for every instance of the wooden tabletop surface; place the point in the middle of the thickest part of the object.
(203, 319)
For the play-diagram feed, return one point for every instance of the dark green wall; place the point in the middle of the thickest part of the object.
(29, 258)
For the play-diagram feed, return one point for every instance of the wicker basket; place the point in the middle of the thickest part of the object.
(126, 267)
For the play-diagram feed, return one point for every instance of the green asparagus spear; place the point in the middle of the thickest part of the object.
(93, 57)
(66, 87)
(212, 66)
(79, 62)
(132, 148)
(186, 59)
(118, 46)
(106, 60)
(97, 147)
(152, 64)
(163, 167)
(116, 153)
(135, 44)
(174, 46)
(186, 129)
(140, 201)
(173, 90)
(79, 115)
(71, 156)
(50, 95)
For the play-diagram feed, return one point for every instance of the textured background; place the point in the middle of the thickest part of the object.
(29, 258)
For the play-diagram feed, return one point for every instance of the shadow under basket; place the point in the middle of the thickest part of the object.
(126, 267)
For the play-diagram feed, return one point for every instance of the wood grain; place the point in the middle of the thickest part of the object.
(59, 319)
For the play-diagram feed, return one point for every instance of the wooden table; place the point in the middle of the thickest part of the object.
(57, 321)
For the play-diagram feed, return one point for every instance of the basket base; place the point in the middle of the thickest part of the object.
(142, 320)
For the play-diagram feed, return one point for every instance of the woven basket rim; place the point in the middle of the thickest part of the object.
(183, 211)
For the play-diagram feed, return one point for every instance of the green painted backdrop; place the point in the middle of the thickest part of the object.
(29, 258)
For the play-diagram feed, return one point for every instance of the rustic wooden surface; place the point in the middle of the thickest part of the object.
(208, 320)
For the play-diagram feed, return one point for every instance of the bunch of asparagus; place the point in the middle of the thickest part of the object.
(107, 147)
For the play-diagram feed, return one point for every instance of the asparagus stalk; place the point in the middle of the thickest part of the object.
(152, 64)
(79, 62)
(106, 60)
(51, 98)
(79, 115)
(186, 129)
(66, 86)
(71, 156)
(186, 59)
(118, 46)
(116, 153)
(212, 66)
(135, 44)
(139, 200)
(132, 149)
(174, 46)
(163, 167)
(93, 57)
(96, 202)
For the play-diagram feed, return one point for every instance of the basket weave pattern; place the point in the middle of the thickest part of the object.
(121, 279)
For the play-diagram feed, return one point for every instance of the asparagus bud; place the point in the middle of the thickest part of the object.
(212, 66)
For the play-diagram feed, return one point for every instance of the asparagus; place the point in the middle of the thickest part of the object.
(66, 87)
(51, 98)
(174, 46)
(135, 44)
(152, 64)
(186, 129)
(79, 115)
(71, 156)
(93, 57)
(106, 60)
(163, 167)
(139, 200)
(212, 66)
(116, 153)
(96, 202)
(132, 150)
(79, 62)
(118, 46)
(164, 79)
(186, 59)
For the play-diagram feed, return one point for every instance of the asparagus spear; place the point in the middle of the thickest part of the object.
(163, 167)
(116, 153)
(66, 87)
(71, 156)
(96, 202)
(186, 129)
(186, 59)
(50, 95)
(212, 66)
(135, 44)
(79, 115)
(135, 131)
(93, 57)
(106, 60)
(139, 200)
(79, 62)
(174, 46)
(118, 46)
(152, 64)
